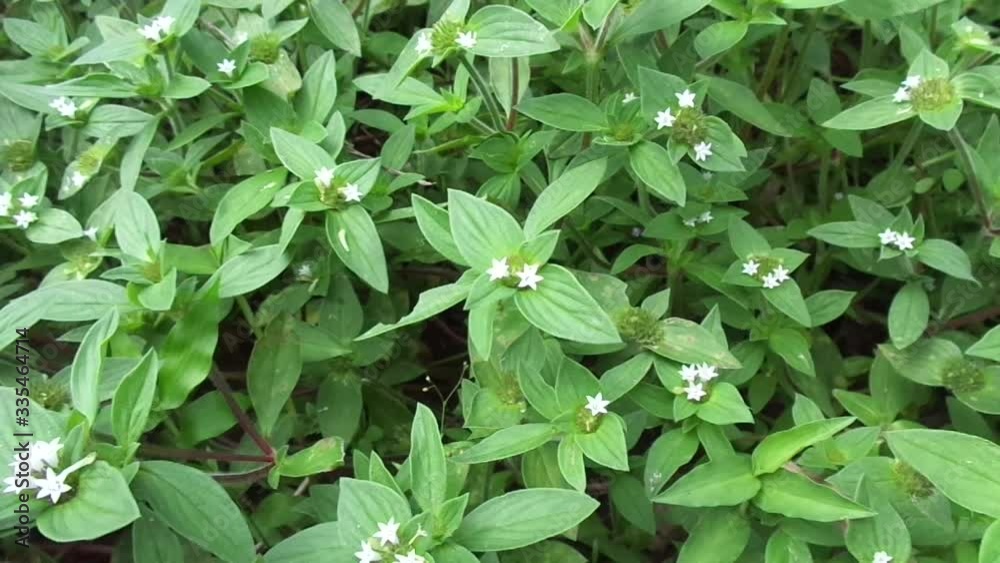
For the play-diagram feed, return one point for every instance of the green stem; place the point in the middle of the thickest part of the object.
(491, 103)
(965, 154)
(773, 62)
(794, 74)
(248, 315)
(908, 143)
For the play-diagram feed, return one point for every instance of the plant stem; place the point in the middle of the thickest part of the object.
(241, 416)
(515, 86)
(773, 61)
(248, 315)
(480, 82)
(965, 153)
(176, 453)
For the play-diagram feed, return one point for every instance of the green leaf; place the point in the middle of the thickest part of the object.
(101, 504)
(722, 482)
(655, 167)
(784, 548)
(429, 303)
(605, 445)
(885, 532)
(871, 115)
(54, 226)
(796, 496)
(133, 400)
(724, 406)
(336, 23)
(720, 536)
(86, 368)
(793, 347)
(565, 111)
(186, 355)
(688, 342)
(354, 238)
(564, 195)
(946, 257)
(322, 456)
(154, 542)
(908, 315)
(522, 518)
(563, 308)
(136, 228)
(654, 15)
(669, 452)
(428, 468)
(961, 466)
(435, 224)
(719, 37)
(619, 380)
(502, 31)
(274, 370)
(743, 103)
(196, 507)
(927, 362)
(310, 545)
(848, 234)
(243, 200)
(481, 230)
(507, 442)
(365, 504)
(989, 549)
(787, 297)
(829, 305)
(988, 346)
(780, 447)
(300, 155)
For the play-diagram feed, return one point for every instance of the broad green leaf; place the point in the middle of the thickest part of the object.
(724, 405)
(785, 548)
(322, 456)
(521, 518)
(243, 200)
(273, 371)
(365, 504)
(719, 536)
(743, 103)
(428, 468)
(311, 544)
(946, 257)
(779, 448)
(885, 532)
(848, 234)
(481, 230)
(564, 195)
(793, 347)
(908, 315)
(669, 452)
(435, 224)
(565, 111)
(507, 443)
(300, 155)
(563, 308)
(502, 31)
(354, 238)
(136, 228)
(619, 380)
(787, 297)
(722, 482)
(688, 342)
(186, 355)
(336, 23)
(655, 167)
(796, 496)
(605, 445)
(53, 227)
(101, 504)
(85, 371)
(871, 114)
(927, 362)
(719, 37)
(988, 346)
(133, 400)
(429, 303)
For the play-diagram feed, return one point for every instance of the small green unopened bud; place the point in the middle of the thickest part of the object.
(964, 377)
(689, 127)
(19, 154)
(933, 94)
(907, 478)
(265, 48)
(639, 325)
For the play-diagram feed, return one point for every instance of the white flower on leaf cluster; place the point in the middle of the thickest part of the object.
(665, 119)
(410, 557)
(91, 233)
(702, 151)
(424, 44)
(696, 376)
(597, 404)
(227, 67)
(367, 554)
(25, 218)
(304, 271)
(887, 236)
(324, 176)
(902, 95)
(78, 179)
(902, 240)
(529, 276)
(351, 192)
(28, 470)
(388, 545)
(751, 267)
(241, 38)
(65, 106)
(705, 217)
(882, 557)
(777, 277)
(28, 201)
(158, 28)
(466, 39)
(499, 269)
(388, 533)
(695, 392)
(629, 98)
(685, 99)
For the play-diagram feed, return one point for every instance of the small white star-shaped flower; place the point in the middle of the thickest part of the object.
(702, 151)
(665, 119)
(164, 23)
(771, 281)
(53, 485)
(750, 267)
(324, 176)
(707, 372)
(887, 236)
(529, 276)
(91, 233)
(705, 217)
(466, 39)
(25, 218)
(410, 557)
(629, 98)
(692, 222)
(44, 454)
(5, 199)
(499, 270)
(597, 405)
(421, 532)
(28, 201)
(901, 95)
(388, 533)
(689, 373)
(304, 271)
(367, 554)
(695, 392)
(912, 82)
(150, 31)
(227, 67)
(685, 99)
(882, 557)
(78, 179)
(65, 106)
(781, 274)
(904, 241)
(424, 44)
(241, 38)
(351, 192)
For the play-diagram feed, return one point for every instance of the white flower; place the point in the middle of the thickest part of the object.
(882, 557)
(424, 44)
(351, 192)
(912, 81)
(421, 533)
(241, 38)
(410, 557)
(499, 270)
(150, 31)
(13, 487)
(227, 67)
(770, 281)
(705, 217)
(53, 485)
(466, 39)
(689, 373)
(324, 176)
(692, 222)
(750, 267)
(707, 372)
(629, 98)
(685, 99)
(44, 454)
(901, 95)
(388, 532)
(65, 106)
(78, 179)
(25, 218)
(304, 271)
(904, 241)
(529, 276)
(164, 23)
(597, 405)
(665, 119)
(781, 274)
(28, 201)
(91, 233)
(887, 236)
(695, 391)
(702, 151)
(367, 554)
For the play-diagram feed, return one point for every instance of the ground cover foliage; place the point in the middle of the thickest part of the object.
(459, 281)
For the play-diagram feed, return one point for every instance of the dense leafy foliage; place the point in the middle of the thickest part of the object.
(460, 281)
